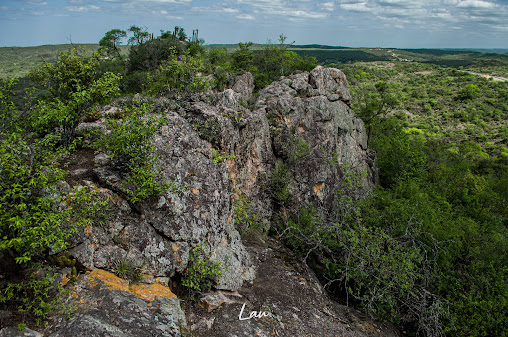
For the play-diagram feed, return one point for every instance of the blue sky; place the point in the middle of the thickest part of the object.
(354, 23)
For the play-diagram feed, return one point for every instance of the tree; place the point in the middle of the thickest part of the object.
(470, 91)
(140, 36)
(179, 33)
(374, 106)
(110, 41)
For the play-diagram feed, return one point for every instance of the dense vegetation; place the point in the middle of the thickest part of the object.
(427, 249)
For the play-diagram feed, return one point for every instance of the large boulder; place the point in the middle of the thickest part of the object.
(110, 306)
(317, 136)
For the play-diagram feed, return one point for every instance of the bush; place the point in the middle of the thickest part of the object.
(38, 296)
(178, 76)
(75, 86)
(129, 145)
(34, 216)
(201, 273)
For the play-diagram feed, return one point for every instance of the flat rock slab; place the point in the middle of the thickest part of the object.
(288, 292)
(110, 306)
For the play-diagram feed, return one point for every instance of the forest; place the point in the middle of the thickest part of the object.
(427, 249)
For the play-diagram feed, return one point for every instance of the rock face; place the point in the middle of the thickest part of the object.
(218, 153)
(316, 135)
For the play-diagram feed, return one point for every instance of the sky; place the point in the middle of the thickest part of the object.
(352, 23)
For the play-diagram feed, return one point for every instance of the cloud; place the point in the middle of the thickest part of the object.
(36, 3)
(82, 9)
(245, 17)
(216, 9)
(357, 7)
(327, 6)
(140, 2)
(290, 9)
(476, 4)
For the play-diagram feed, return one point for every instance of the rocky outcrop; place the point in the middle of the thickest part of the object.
(217, 153)
(317, 136)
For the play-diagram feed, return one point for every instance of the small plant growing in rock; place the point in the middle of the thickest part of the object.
(201, 272)
(128, 271)
(245, 219)
(129, 145)
(218, 158)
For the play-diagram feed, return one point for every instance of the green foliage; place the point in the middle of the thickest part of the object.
(218, 158)
(128, 271)
(38, 296)
(75, 87)
(129, 145)
(178, 76)
(470, 91)
(291, 147)
(150, 55)
(400, 157)
(139, 36)
(8, 114)
(110, 41)
(275, 61)
(32, 216)
(387, 276)
(278, 185)
(201, 273)
(208, 130)
(246, 220)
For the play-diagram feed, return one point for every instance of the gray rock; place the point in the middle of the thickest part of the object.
(109, 306)
(244, 86)
(14, 332)
(317, 135)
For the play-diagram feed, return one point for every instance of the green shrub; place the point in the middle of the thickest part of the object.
(201, 274)
(75, 85)
(37, 296)
(33, 212)
(129, 145)
(178, 76)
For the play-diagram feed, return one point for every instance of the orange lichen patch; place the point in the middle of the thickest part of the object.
(150, 291)
(87, 230)
(81, 301)
(110, 280)
(318, 188)
(194, 190)
(147, 292)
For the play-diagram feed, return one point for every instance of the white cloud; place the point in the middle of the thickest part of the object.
(82, 9)
(36, 3)
(290, 9)
(357, 7)
(216, 9)
(245, 17)
(476, 4)
(327, 6)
